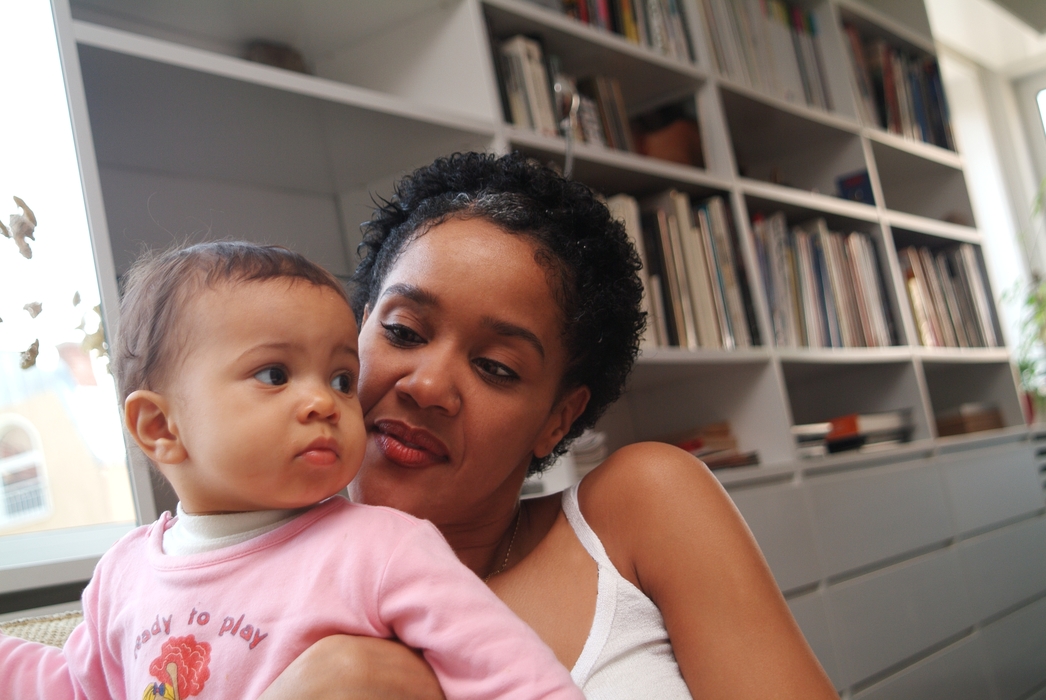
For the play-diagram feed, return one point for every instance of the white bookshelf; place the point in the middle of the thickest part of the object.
(189, 140)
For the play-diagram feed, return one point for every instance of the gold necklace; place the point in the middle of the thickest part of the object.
(508, 552)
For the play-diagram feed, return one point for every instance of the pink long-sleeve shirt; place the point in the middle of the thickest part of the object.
(224, 623)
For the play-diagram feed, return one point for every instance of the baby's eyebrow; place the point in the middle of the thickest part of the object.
(413, 293)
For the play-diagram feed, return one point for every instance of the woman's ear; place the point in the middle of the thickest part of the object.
(563, 415)
(147, 417)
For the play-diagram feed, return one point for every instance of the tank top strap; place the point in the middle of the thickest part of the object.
(584, 533)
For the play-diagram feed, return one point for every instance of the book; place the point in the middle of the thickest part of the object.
(770, 45)
(899, 88)
(948, 297)
(969, 418)
(625, 209)
(526, 62)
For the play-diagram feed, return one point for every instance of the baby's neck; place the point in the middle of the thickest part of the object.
(193, 534)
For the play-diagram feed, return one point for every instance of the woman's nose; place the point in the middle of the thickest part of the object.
(432, 382)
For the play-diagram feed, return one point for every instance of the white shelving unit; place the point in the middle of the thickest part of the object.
(188, 140)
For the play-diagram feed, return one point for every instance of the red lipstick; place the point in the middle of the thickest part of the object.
(408, 446)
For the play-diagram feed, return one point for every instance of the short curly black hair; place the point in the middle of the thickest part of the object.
(590, 257)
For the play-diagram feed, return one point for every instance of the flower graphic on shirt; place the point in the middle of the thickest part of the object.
(182, 668)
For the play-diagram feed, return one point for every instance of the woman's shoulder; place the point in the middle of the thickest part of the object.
(644, 474)
(647, 498)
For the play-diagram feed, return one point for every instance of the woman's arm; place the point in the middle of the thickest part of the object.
(669, 526)
(343, 667)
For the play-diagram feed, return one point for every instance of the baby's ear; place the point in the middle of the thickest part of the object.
(147, 418)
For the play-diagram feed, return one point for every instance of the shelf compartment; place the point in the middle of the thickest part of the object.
(952, 383)
(916, 185)
(665, 399)
(172, 136)
(407, 49)
(818, 391)
(646, 76)
(780, 147)
(611, 171)
(796, 214)
(966, 305)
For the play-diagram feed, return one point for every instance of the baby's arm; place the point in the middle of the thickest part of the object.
(477, 647)
(29, 671)
(81, 670)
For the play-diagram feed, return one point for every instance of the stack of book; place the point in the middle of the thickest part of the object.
(526, 89)
(899, 90)
(950, 302)
(823, 288)
(865, 432)
(696, 290)
(530, 82)
(656, 24)
(969, 418)
(715, 445)
(772, 46)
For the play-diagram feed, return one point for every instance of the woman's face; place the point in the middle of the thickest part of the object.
(462, 359)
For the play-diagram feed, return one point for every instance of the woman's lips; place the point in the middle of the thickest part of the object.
(407, 446)
(321, 452)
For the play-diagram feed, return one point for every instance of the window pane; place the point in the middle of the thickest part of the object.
(1040, 99)
(64, 486)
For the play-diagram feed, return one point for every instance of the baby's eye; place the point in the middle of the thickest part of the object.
(342, 383)
(274, 376)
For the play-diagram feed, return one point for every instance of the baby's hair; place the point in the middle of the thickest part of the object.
(159, 285)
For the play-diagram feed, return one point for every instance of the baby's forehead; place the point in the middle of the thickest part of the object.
(274, 305)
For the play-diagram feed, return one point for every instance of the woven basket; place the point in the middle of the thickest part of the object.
(48, 629)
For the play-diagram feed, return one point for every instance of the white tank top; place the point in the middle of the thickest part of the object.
(627, 654)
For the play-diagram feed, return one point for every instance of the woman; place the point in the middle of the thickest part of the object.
(499, 308)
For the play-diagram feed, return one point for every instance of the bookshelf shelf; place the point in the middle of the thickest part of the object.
(915, 185)
(654, 357)
(830, 119)
(170, 53)
(961, 356)
(909, 225)
(612, 171)
(799, 205)
(876, 23)
(926, 151)
(781, 147)
(844, 356)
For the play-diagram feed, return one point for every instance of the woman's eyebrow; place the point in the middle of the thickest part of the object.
(511, 330)
(409, 291)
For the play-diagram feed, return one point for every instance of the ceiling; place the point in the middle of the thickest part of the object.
(1031, 12)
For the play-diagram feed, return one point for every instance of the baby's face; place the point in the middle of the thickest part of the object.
(264, 398)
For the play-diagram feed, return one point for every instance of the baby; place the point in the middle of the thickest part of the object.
(238, 366)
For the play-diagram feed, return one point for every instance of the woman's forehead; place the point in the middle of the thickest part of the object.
(473, 261)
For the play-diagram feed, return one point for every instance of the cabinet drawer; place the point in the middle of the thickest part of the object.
(989, 487)
(890, 615)
(876, 514)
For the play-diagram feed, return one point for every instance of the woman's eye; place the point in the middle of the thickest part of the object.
(342, 383)
(274, 376)
(399, 334)
(495, 370)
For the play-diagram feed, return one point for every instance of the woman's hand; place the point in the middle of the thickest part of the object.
(343, 667)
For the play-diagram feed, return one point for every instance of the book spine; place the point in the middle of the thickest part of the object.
(727, 264)
(697, 269)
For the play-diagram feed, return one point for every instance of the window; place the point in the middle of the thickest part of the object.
(23, 482)
(65, 488)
